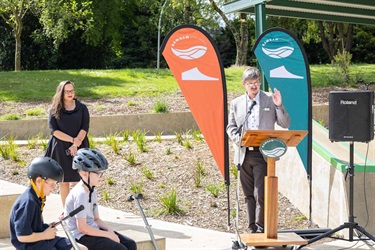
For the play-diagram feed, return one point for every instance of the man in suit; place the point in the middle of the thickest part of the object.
(266, 109)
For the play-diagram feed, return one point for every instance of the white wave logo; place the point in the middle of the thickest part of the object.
(192, 53)
(278, 53)
(274, 153)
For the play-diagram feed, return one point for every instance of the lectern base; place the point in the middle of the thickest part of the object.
(283, 239)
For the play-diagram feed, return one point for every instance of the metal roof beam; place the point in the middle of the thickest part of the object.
(240, 5)
(308, 7)
(348, 11)
(320, 17)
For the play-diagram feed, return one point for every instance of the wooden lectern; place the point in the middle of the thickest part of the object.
(270, 237)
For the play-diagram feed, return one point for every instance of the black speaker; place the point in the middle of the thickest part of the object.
(351, 116)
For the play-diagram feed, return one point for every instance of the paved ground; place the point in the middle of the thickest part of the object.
(178, 237)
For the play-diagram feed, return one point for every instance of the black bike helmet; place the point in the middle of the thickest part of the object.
(89, 160)
(45, 167)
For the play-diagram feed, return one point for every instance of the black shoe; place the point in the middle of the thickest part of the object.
(252, 231)
(260, 229)
(253, 228)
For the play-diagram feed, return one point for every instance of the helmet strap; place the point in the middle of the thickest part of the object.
(91, 189)
(39, 193)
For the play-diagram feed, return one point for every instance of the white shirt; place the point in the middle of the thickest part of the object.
(253, 120)
(79, 195)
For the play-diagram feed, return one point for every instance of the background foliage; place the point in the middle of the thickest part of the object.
(78, 34)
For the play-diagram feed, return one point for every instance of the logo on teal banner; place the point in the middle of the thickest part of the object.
(273, 148)
(279, 48)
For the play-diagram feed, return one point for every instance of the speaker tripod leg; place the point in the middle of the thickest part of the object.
(363, 231)
(326, 234)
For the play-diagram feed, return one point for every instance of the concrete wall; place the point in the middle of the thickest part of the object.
(321, 114)
(168, 124)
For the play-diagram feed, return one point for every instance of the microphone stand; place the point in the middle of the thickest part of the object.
(238, 243)
(136, 197)
(65, 226)
(70, 236)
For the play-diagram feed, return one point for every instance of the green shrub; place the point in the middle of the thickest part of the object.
(8, 150)
(147, 173)
(161, 106)
(179, 138)
(197, 135)
(35, 112)
(168, 151)
(92, 143)
(110, 181)
(169, 203)
(140, 140)
(131, 103)
(234, 171)
(199, 173)
(215, 189)
(131, 158)
(125, 135)
(112, 141)
(158, 137)
(10, 117)
(136, 187)
(105, 195)
(187, 144)
(342, 62)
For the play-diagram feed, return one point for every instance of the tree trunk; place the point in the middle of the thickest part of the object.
(17, 35)
(241, 39)
(336, 38)
(349, 37)
(17, 54)
(243, 43)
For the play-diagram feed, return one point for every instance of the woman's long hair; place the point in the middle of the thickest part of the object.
(58, 99)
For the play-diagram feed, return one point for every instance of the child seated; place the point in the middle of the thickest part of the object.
(27, 228)
(86, 226)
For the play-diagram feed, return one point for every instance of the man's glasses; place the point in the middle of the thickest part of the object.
(100, 174)
(252, 83)
(69, 91)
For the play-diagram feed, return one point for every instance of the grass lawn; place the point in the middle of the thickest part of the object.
(97, 84)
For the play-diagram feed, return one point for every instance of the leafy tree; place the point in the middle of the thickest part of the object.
(224, 40)
(197, 12)
(241, 38)
(363, 49)
(335, 37)
(6, 46)
(307, 34)
(12, 12)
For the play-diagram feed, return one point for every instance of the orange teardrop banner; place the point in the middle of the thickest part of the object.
(195, 63)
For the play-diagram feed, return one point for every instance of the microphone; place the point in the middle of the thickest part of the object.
(246, 117)
(252, 105)
(71, 214)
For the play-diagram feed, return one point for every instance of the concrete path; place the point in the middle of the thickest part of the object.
(178, 237)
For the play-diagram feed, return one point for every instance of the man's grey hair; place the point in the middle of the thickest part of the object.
(250, 74)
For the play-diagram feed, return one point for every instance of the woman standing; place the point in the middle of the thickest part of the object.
(69, 123)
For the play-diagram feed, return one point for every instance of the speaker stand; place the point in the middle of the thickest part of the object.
(351, 225)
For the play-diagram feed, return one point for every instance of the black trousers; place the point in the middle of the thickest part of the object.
(100, 243)
(252, 173)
